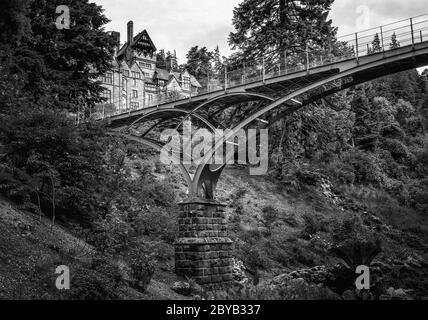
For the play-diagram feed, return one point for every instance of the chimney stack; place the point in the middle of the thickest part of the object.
(130, 32)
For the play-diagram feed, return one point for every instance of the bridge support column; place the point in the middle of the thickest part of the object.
(203, 251)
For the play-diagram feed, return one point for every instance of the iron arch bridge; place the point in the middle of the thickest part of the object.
(274, 95)
(256, 96)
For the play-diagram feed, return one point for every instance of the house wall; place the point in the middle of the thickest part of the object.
(139, 77)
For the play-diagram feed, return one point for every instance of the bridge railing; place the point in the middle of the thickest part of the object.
(274, 63)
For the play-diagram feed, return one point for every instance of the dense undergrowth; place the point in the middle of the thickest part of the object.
(347, 174)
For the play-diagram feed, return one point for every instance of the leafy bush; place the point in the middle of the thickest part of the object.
(157, 223)
(366, 167)
(292, 290)
(314, 223)
(397, 149)
(270, 215)
(142, 269)
(98, 281)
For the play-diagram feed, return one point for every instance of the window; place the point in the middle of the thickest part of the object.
(186, 82)
(134, 93)
(106, 94)
(125, 73)
(135, 105)
(151, 87)
(108, 78)
(136, 75)
(146, 65)
(150, 97)
(124, 84)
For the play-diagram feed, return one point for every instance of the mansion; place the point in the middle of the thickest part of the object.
(135, 81)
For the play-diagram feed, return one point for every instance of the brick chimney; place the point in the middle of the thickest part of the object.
(130, 32)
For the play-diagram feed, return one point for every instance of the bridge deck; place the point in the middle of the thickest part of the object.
(378, 65)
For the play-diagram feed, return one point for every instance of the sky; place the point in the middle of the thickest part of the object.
(181, 24)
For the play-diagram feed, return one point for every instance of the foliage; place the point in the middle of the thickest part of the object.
(199, 63)
(292, 290)
(270, 215)
(355, 243)
(281, 25)
(93, 284)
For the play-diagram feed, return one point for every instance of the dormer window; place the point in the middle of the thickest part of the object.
(186, 82)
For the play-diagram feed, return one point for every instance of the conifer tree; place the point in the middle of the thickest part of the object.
(394, 42)
(218, 64)
(279, 25)
(376, 45)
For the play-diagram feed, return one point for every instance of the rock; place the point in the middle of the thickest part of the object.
(182, 288)
(239, 274)
(396, 294)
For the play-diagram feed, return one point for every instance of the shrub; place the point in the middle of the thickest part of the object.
(157, 223)
(270, 215)
(292, 290)
(142, 269)
(397, 149)
(98, 281)
(314, 223)
(366, 167)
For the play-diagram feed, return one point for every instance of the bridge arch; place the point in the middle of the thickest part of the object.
(169, 111)
(256, 96)
(358, 69)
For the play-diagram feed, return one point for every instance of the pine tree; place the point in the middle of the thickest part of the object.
(218, 64)
(199, 63)
(376, 45)
(71, 60)
(394, 42)
(280, 25)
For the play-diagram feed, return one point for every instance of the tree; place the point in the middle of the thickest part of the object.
(279, 25)
(44, 73)
(199, 63)
(14, 24)
(218, 64)
(71, 59)
(376, 45)
(394, 42)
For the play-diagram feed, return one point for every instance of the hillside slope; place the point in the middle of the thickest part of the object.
(277, 234)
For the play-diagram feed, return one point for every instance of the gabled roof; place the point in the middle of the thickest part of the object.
(194, 82)
(177, 75)
(162, 74)
(143, 36)
(174, 76)
(138, 39)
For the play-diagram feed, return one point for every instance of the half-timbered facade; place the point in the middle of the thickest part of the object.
(135, 82)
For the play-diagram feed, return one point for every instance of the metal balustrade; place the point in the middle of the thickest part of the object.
(407, 32)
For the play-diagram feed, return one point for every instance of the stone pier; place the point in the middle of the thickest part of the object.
(203, 251)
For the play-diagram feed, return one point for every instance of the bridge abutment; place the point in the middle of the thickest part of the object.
(203, 251)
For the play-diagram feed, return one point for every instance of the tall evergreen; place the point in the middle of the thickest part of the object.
(218, 64)
(376, 45)
(394, 42)
(199, 63)
(279, 25)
